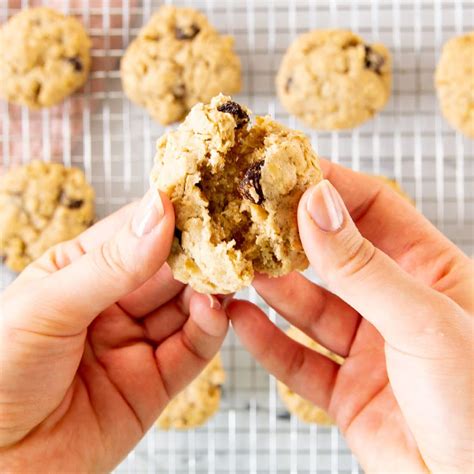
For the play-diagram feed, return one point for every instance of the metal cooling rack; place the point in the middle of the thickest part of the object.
(113, 141)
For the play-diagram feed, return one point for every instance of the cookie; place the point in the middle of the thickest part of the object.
(454, 81)
(197, 402)
(332, 79)
(178, 60)
(305, 410)
(44, 57)
(41, 204)
(235, 189)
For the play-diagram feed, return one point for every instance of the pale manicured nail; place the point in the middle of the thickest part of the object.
(148, 214)
(325, 207)
(213, 302)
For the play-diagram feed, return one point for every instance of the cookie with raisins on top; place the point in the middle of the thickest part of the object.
(332, 79)
(44, 57)
(178, 60)
(41, 204)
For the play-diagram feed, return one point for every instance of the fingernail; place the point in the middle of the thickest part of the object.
(325, 207)
(148, 214)
(213, 302)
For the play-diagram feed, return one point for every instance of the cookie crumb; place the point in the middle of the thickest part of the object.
(233, 108)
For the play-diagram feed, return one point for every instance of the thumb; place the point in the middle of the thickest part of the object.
(68, 300)
(400, 307)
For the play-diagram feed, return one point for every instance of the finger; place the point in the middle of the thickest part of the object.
(169, 318)
(73, 296)
(305, 371)
(159, 289)
(163, 322)
(106, 228)
(399, 306)
(317, 312)
(380, 213)
(193, 347)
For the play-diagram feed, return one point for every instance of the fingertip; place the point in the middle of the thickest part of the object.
(260, 279)
(234, 308)
(208, 313)
(246, 318)
(266, 283)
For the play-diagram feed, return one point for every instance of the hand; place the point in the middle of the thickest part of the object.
(398, 306)
(95, 338)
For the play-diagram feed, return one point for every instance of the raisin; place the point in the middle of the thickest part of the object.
(74, 203)
(373, 60)
(288, 84)
(250, 187)
(187, 33)
(64, 200)
(351, 43)
(76, 63)
(36, 91)
(240, 116)
(178, 234)
(179, 91)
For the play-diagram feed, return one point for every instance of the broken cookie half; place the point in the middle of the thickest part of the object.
(235, 187)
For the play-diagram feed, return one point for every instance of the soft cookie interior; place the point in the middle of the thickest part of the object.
(235, 188)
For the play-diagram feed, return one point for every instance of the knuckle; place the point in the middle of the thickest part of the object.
(202, 354)
(295, 363)
(64, 253)
(109, 261)
(357, 255)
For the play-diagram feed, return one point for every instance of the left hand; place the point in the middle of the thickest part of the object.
(397, 306)
(95, 338)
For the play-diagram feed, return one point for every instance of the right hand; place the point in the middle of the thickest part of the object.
(398, 306)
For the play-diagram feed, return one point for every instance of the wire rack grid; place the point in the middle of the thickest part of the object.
(113, 141)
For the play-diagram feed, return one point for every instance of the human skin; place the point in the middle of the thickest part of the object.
(92, 333)
(95, 338)
(398, 305)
